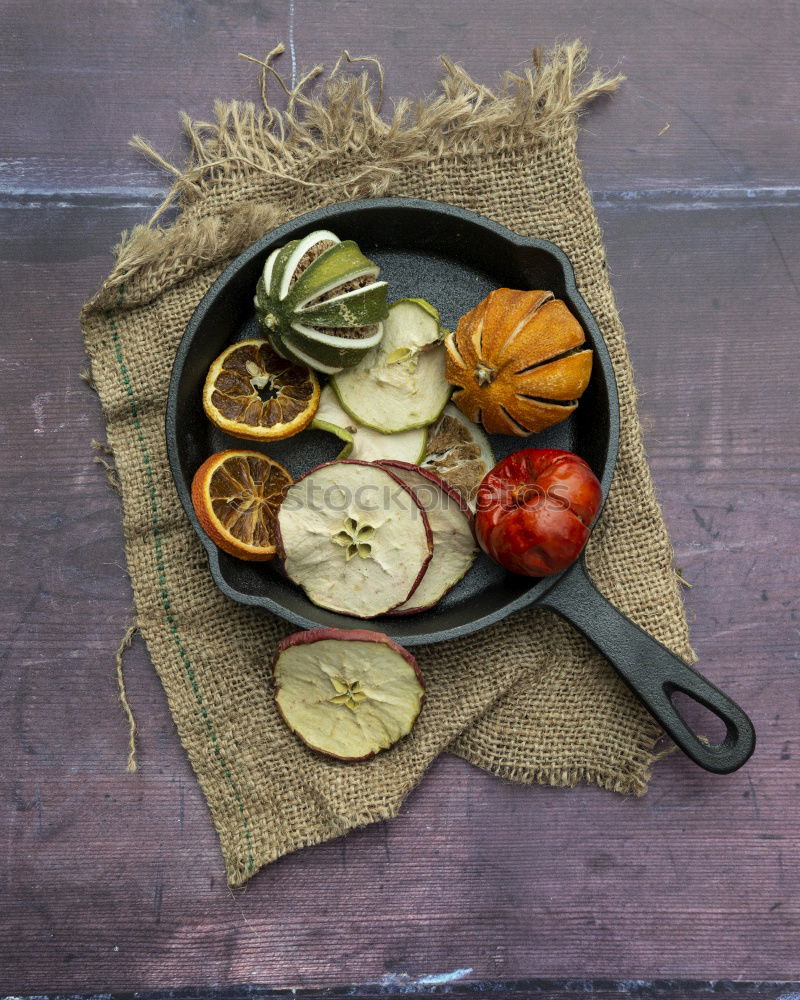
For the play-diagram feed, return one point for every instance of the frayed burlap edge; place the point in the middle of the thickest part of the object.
(333, 120)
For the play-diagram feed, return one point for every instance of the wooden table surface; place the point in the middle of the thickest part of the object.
(115, 882)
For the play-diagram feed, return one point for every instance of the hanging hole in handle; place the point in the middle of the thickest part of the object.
(701, 720)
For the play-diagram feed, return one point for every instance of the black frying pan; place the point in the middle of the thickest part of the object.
(452, 258)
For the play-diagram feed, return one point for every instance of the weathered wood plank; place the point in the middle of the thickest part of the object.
(113, 881)
(448, 985)
(721, 74)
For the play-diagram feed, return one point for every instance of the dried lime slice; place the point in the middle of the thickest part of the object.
(454, 545)
(364, 443)
(354, 537)
(348, 694)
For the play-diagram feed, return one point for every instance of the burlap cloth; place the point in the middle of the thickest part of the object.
(528, 699)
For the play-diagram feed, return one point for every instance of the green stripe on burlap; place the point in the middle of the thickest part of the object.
(155, 523)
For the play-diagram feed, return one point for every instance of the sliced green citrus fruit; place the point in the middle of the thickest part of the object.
(319, 302)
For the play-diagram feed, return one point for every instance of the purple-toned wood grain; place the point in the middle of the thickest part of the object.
(81, 77)
(453, 985)
(115, 881)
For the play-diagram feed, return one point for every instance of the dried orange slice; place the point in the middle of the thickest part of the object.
(236, 495)
(253, 393)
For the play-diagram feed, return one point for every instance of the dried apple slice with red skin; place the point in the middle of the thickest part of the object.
(454, 544)
(347, 694)
(354, 537)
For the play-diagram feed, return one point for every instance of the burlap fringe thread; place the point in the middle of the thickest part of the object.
(127, 639)
(323, 117)
(112, 478)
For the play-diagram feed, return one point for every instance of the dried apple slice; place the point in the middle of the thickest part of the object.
(399, 385)
(454, 545)
(354, 537)
(347, 694)
(363, 443)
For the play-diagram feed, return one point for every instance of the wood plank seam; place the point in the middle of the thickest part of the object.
(660, 198)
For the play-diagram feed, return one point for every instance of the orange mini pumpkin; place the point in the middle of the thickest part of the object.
(516, 362)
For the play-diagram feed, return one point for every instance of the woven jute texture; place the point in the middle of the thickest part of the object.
(527, 699)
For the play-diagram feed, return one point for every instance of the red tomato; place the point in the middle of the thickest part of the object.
(534, 510)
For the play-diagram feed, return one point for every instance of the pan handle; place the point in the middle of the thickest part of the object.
(652, 672)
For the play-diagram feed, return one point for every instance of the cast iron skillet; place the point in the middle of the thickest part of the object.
(452, 258)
